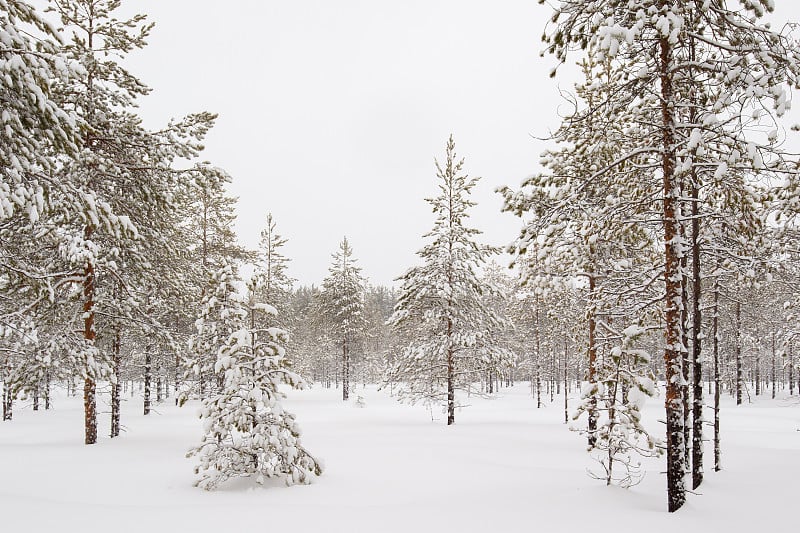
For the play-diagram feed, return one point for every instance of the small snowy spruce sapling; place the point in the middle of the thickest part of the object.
(624, 382)
(247, 430)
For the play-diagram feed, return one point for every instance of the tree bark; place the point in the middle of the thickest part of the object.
(8, 401)
(774, 371)
(47, 385)
(676, 465)
(697, 348)
(345, 370)
(717, 384)
(592, 323)
(685, 356)
(738, 353)
(89, 335)
(566, 384)
(148, 367)
(116, 382)
(451, 391)
(177, 377)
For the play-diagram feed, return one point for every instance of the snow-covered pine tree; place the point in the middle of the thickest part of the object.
(581, 225)
(342, 304)
(671, 47)
(453, 334)
(36, 133)
(274, 284)
(35, 127)
(379, 340)
(247, 432)
(500, 303)
(211, 217)
(123, 173)
(209, 243)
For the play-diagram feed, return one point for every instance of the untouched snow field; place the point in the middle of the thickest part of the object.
(505, 466)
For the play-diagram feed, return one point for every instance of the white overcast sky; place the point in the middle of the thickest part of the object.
(331, 112)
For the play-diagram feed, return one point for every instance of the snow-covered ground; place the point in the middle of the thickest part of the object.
(505, 466)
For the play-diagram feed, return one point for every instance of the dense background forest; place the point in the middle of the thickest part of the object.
(656, 257)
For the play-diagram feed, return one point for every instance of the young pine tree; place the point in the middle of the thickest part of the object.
(342, 303)
(247, 430)
(274, 285)
(454, 335)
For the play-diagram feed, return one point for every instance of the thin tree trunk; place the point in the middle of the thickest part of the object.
(592, 323)
(538, 385)
(148, 363)
(738, 353)
(89, 335)
(47, 385)
(8, 405)
(159, 384)
(451, 392)
(566, 382)
(717, 383)
(8, 398)
(697, 348)
(36, 397)
(345, 370)
(757, 378)
(774, 371)
(116, 382)
(177, 376)
(686, 362)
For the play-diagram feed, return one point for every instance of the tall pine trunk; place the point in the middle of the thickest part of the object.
(673, 403)
(717, 383)
(89, 335)
(697, 349)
